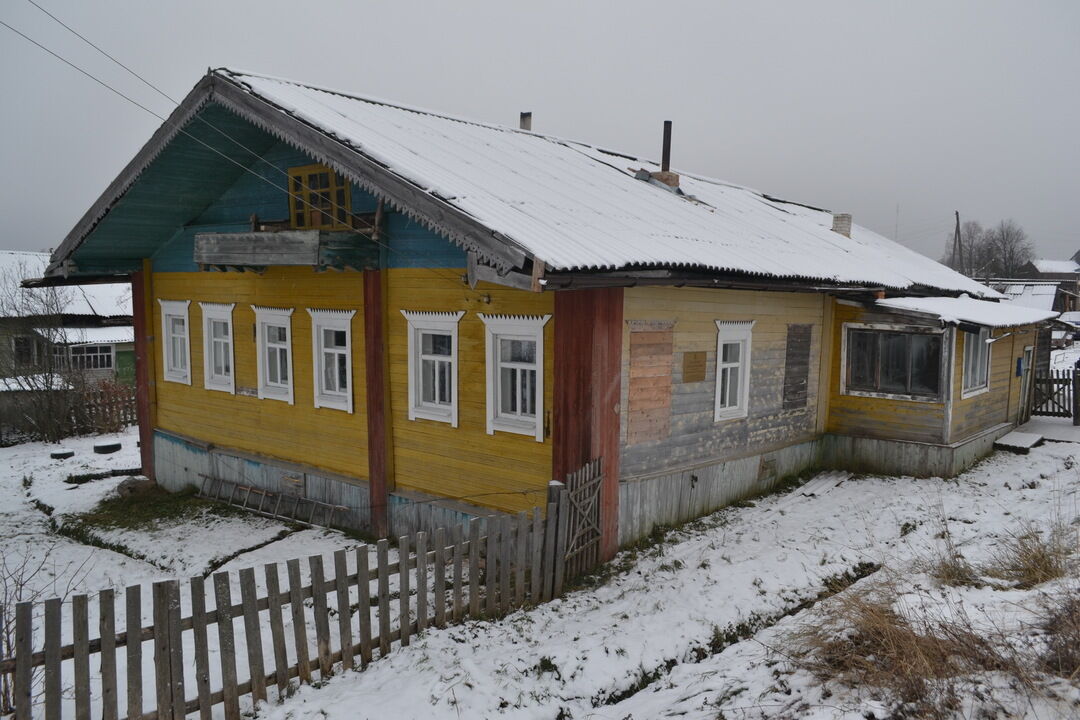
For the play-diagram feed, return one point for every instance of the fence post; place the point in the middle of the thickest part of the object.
(162, 673)
(561, 541)
(202, 645)
(403, 589)
(107, 633)
(341, 584)
(226, 645)
(491, 566)
(52, 658)
(133, 620)
(322, 615)
(1075, 396)
(421, 582)
(24, 633)
(249, 601)
(363, 587)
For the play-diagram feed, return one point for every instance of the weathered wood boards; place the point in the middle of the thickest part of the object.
(519, 559)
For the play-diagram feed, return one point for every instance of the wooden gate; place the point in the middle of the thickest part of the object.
(1053, 394)
(582, 508)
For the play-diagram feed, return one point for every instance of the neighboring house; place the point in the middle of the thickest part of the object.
(1040, 295)
(86, 328)
(422, 318)
(1066, 273)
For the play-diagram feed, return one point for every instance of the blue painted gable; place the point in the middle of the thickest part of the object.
(262, 192)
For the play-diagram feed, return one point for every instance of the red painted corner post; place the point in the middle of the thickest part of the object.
(587, 393)
(142, 317)
(378, 416)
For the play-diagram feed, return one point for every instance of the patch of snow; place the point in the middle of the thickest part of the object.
(968, 309)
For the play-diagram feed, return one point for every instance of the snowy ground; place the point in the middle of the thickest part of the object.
(1065, 359)
(638, 646)
(37, 502)
(643, 644)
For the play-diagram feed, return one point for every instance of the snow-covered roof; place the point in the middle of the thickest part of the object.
(92, 335)
(1039, 295)
(578, 207)
(1073, 316)
(967, 309)
(105, 300)
(1056, 266)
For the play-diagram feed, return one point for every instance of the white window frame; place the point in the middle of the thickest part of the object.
(520, 327)
(281, 317)
(442, 323)
(976, 340)
(733, 331)
(220, 312)
(177, 309)
(331, 320)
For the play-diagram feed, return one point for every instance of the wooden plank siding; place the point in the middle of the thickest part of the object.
(999, 404)
(320, 437)
(693, 437)
(505, 471)
(881, 418)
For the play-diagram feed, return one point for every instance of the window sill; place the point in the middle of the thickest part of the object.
(333, 403)
(729, 414)
(510, 426)
(182, 379)
(282, 394)
(423, 413)
(893, 396)
(965, 394)
(221, 387)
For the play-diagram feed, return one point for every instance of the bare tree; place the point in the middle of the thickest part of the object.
(998, 251)
(1010, 246)
(38, 383)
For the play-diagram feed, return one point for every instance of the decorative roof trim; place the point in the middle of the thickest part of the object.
(266, 309)
(431, 316)
(538, 320)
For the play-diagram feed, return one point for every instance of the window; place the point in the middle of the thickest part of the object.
(218, 347)
(319, 198)
(976, 362)
(732, 369)
(893, 362)
(90, 357)
(331, 341)
(273, 338)
(24, 351)
(515, 374)
(433, 346)
(176, 353)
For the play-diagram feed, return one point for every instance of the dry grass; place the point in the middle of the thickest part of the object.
(949, 566)
(1060, 623)
(916, 661)
(1033, 555)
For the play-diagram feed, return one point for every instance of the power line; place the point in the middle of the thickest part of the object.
(454, 280)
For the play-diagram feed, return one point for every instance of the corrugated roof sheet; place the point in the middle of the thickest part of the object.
(105, 300)
(1033, 295)
(578, 207)
(91, 335)
(969, 309)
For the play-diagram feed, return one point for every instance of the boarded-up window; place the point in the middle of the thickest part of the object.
(797, 367)
(650, 385)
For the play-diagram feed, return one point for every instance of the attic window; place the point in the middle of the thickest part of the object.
(319, 199)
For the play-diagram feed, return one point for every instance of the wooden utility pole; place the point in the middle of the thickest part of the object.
(958, 246)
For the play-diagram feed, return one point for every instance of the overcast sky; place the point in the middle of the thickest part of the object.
(852, 106)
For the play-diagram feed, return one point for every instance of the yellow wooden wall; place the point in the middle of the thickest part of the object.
(692, 436)
(324, 438)
(1001, 402)
(505, 471)
(886, 419)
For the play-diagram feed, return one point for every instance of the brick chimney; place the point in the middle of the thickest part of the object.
(841, 223)
(525, 121)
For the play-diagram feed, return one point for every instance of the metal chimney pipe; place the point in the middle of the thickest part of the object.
(665, 163)
(525, 121)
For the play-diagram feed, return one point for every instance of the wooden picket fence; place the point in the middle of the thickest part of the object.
(1055, 393)
(105, 408)
(443, 580)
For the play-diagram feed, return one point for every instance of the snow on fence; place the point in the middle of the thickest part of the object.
(316, 625)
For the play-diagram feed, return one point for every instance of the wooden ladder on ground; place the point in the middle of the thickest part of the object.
(279, 506)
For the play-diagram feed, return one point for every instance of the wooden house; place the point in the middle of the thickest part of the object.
(423, 318)
(85, 328)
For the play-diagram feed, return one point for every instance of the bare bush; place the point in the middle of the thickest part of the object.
(948, 566)
(1060, 624)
